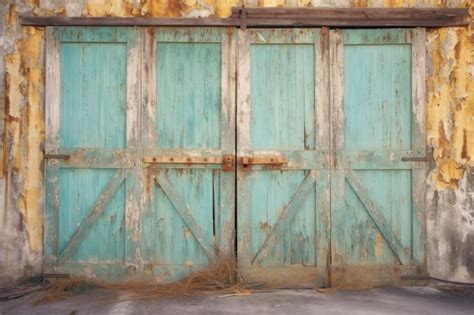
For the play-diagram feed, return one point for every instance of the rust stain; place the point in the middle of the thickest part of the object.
(378, 244)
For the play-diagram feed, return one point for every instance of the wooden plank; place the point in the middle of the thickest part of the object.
(289, 212)
(244, 230)
(52, 142)
(322, 133)
(92, 216)
(132, 185)
(134, 58)
(337, 190)
(418, 74)
(119, 21)
(149, 136)
(376, 215)
(52, 90)
(258, 17)
(276, 36)
(337, 90)
(418, 141)
(380, 17)
(377, 36)
(243, 97)
(186, 214)
(94, 158)
(51, 215)
(226, 219)
(379, 159)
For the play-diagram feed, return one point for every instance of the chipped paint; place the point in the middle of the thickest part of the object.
(449, 109)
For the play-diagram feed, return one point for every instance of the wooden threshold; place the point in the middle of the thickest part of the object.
(283, 17)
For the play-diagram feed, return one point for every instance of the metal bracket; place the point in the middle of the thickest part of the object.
(227, 160)
(274, 162)
(57, 156)
(427, 158)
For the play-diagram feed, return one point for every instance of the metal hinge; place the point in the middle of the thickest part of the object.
(427, 158)
(57, 156)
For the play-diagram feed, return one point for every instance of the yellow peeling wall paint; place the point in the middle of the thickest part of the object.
(25, 127)
(450, 98)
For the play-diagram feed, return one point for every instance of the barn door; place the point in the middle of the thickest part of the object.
(91, 151)
(377, 218)
(282, 150)
(188, 139)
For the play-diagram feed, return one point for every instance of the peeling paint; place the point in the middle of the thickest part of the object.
(449, 109)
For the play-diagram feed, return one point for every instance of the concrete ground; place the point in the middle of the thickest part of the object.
(402, 300)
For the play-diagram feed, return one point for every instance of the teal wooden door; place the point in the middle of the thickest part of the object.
(188, 137)
(91, 151)
(377, 218)
(282, 151)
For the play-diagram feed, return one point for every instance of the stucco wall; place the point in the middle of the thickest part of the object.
(450, 123)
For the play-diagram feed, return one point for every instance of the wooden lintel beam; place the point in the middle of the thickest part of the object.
(124, 21)
(284, 17)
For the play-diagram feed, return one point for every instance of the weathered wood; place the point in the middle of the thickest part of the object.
(322, 133)
(371, 185)
(289, 17)
(418, 141)
(94, 158)
(374, 211)
(133, 191)
(51, 215)
(93, 214)
(124, 21)
(93, 110)
(354, 17)
(52, 90)
(211, 249)
(277, 111)
(378, 159)
(189, 90)
(225, 218)
(289, 212)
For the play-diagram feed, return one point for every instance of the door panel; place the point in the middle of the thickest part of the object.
(91, 117)
(187, 219)
(376, 215)
(281, 212)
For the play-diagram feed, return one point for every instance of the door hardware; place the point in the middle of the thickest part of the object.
(274, 162)
(57, 156)
(427, 158)
(227, 160)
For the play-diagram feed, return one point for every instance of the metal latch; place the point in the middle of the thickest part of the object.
(273, 161)
(227, 160)
(57, 156)
(427, 158)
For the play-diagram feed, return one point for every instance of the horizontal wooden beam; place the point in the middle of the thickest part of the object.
(283, 17)
(354, 17)
(120, 21)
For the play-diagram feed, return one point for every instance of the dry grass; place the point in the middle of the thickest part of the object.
(218, 278)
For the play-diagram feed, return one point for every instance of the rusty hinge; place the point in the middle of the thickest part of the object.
(57, 156)
(427, 158)
(273, 161)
